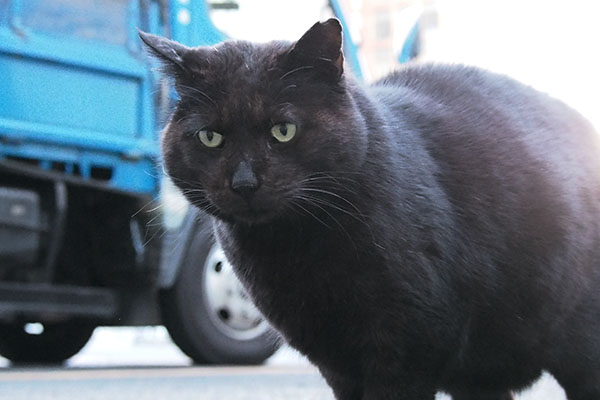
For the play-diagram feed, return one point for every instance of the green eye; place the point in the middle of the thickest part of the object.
(283, 132)
(210, 138)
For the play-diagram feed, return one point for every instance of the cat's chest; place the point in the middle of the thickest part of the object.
(309, 276)
(286, 263)
(310, 292)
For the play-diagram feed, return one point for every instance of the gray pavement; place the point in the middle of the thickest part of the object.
(182, 383)
(141, 364)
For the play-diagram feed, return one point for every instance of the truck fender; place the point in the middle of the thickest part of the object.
(176, 244)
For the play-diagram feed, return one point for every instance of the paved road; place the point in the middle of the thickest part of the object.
(182, 383)
(126, 364)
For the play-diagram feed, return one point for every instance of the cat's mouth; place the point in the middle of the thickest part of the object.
(263, 206)
(255, 216)
(250, 215)
(253, 212)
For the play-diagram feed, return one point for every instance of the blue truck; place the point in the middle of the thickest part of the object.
(91, 232)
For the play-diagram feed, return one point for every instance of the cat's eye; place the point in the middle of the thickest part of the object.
(210, 138)
(283, 132)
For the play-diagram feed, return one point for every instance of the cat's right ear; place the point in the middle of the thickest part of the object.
(172, 55)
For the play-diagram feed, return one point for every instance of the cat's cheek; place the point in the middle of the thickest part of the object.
(169, 148)
(182, 165)
(172, 160)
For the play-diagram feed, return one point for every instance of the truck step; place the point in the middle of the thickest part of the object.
(38, 300)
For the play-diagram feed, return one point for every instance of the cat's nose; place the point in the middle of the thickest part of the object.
(244, 181)
(245, 191)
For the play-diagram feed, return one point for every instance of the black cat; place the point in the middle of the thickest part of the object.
(437, 230)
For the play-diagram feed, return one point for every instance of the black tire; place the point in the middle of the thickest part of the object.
(192, 324)
(56, 343)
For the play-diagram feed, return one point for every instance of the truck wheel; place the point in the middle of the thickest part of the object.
(208, 313)
(51, 343)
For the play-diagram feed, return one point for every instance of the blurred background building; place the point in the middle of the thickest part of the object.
(548, 44)
(383, 27)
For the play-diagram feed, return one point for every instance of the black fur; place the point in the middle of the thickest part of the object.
(438, 230)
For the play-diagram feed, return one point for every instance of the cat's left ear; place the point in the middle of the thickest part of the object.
(321, 47)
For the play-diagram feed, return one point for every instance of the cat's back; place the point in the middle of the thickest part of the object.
(517, 166)
(478, 96)
(491, 128)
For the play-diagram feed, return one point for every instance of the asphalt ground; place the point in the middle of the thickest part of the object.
(182, 383)
(186, 383)
(140, 364)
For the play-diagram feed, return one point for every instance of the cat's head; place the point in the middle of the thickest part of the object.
(261, 130)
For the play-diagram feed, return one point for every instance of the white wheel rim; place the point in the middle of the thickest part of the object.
(229, 305)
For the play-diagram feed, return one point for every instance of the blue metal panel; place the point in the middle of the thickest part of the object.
(46, 92)
(101, 20)
(191, 24)
(86, 54)
(411, 44)
(75, 93)
(23, 132)
(4, 4)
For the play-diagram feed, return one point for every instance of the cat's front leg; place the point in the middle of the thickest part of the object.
(481, 396)
(344, 387)
(380, 387)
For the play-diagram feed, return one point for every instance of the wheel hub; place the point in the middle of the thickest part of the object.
(230, 307)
